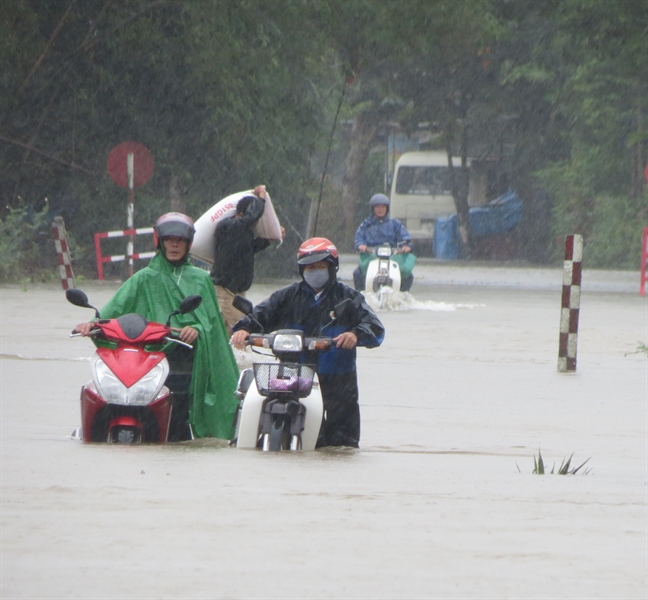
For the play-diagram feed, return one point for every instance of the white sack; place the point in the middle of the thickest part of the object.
(268, 225)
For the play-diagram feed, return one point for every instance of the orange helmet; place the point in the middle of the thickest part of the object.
(317, 249)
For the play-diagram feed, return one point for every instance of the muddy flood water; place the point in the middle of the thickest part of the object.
(439, 502)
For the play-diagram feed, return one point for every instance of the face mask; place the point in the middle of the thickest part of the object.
(317, 278)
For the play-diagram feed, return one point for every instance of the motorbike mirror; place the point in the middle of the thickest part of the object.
(190, 303)
(341, 312)
(246, 307)
(242, 304)
(79, 298)
(343, 309)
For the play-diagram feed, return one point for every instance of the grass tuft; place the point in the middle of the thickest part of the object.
(564, 469)
(641, 349)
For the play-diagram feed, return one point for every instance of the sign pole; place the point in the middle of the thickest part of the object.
(121, 167)
(130, 221)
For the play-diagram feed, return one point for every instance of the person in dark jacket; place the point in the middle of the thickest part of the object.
(233, 268)
(378, 229)
(308, 306)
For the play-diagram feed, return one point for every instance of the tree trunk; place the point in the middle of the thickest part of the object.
(364, 130)
(460, 186)
(460, 194)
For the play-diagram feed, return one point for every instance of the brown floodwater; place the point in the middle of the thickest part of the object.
(439, 502)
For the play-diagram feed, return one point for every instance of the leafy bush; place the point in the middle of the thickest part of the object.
(616, 236)
(611, 225)
(26, 246)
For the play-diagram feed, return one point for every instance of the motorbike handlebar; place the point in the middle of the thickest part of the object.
(177, 341)
(374, 249)
(262, 340)
(92, 332)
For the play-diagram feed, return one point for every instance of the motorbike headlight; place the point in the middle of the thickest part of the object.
(141, 393)
(287, 343)
(384, 251)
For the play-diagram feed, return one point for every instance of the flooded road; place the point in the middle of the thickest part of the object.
(439, 501)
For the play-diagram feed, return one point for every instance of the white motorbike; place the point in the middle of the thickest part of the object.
(281, 402)
(383, 270)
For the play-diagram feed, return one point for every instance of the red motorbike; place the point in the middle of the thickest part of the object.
(127, 401)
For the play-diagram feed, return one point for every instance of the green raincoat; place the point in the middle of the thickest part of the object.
(155, 292)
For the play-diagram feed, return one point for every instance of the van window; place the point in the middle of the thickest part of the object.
(432, 181)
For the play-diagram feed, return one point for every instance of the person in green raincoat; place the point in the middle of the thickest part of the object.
(209, 371)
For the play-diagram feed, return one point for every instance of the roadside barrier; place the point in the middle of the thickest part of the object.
(119, 257)
(644, 261)
(63, 253)
(570, 303)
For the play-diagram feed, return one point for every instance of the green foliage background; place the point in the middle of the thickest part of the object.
(228, 94)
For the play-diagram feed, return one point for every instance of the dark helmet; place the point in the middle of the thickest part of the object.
(175, 224)
(316, 249)
(378, 199)
(244, 203)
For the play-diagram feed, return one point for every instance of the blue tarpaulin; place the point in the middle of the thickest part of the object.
(497, 216)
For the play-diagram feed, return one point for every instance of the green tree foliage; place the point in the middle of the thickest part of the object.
(25, 239)
(446, 73)
(222, 93)
(228, 94)
(599, 89)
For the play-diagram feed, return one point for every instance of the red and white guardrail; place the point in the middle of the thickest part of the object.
(571, 289)
(119, 257)
(63, 253)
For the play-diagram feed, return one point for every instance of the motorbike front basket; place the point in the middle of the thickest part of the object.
(290, 378)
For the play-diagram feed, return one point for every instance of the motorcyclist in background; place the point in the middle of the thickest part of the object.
(379, 229)
(308, 306)
(202, 380)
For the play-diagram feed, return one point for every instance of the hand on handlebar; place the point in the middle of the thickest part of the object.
(83, 328)
(239, 338)
(346, 340)
(188, 335)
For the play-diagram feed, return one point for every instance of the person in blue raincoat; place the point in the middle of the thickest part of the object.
(308, 306)
(379, 229)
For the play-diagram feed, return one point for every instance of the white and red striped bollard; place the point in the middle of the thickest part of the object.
(63, 253)
(569, 313)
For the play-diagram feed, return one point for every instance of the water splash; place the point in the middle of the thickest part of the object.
(386, 299)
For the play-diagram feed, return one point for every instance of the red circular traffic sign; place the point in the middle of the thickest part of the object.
(118, 164)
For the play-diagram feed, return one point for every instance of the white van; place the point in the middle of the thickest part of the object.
(421, 192)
